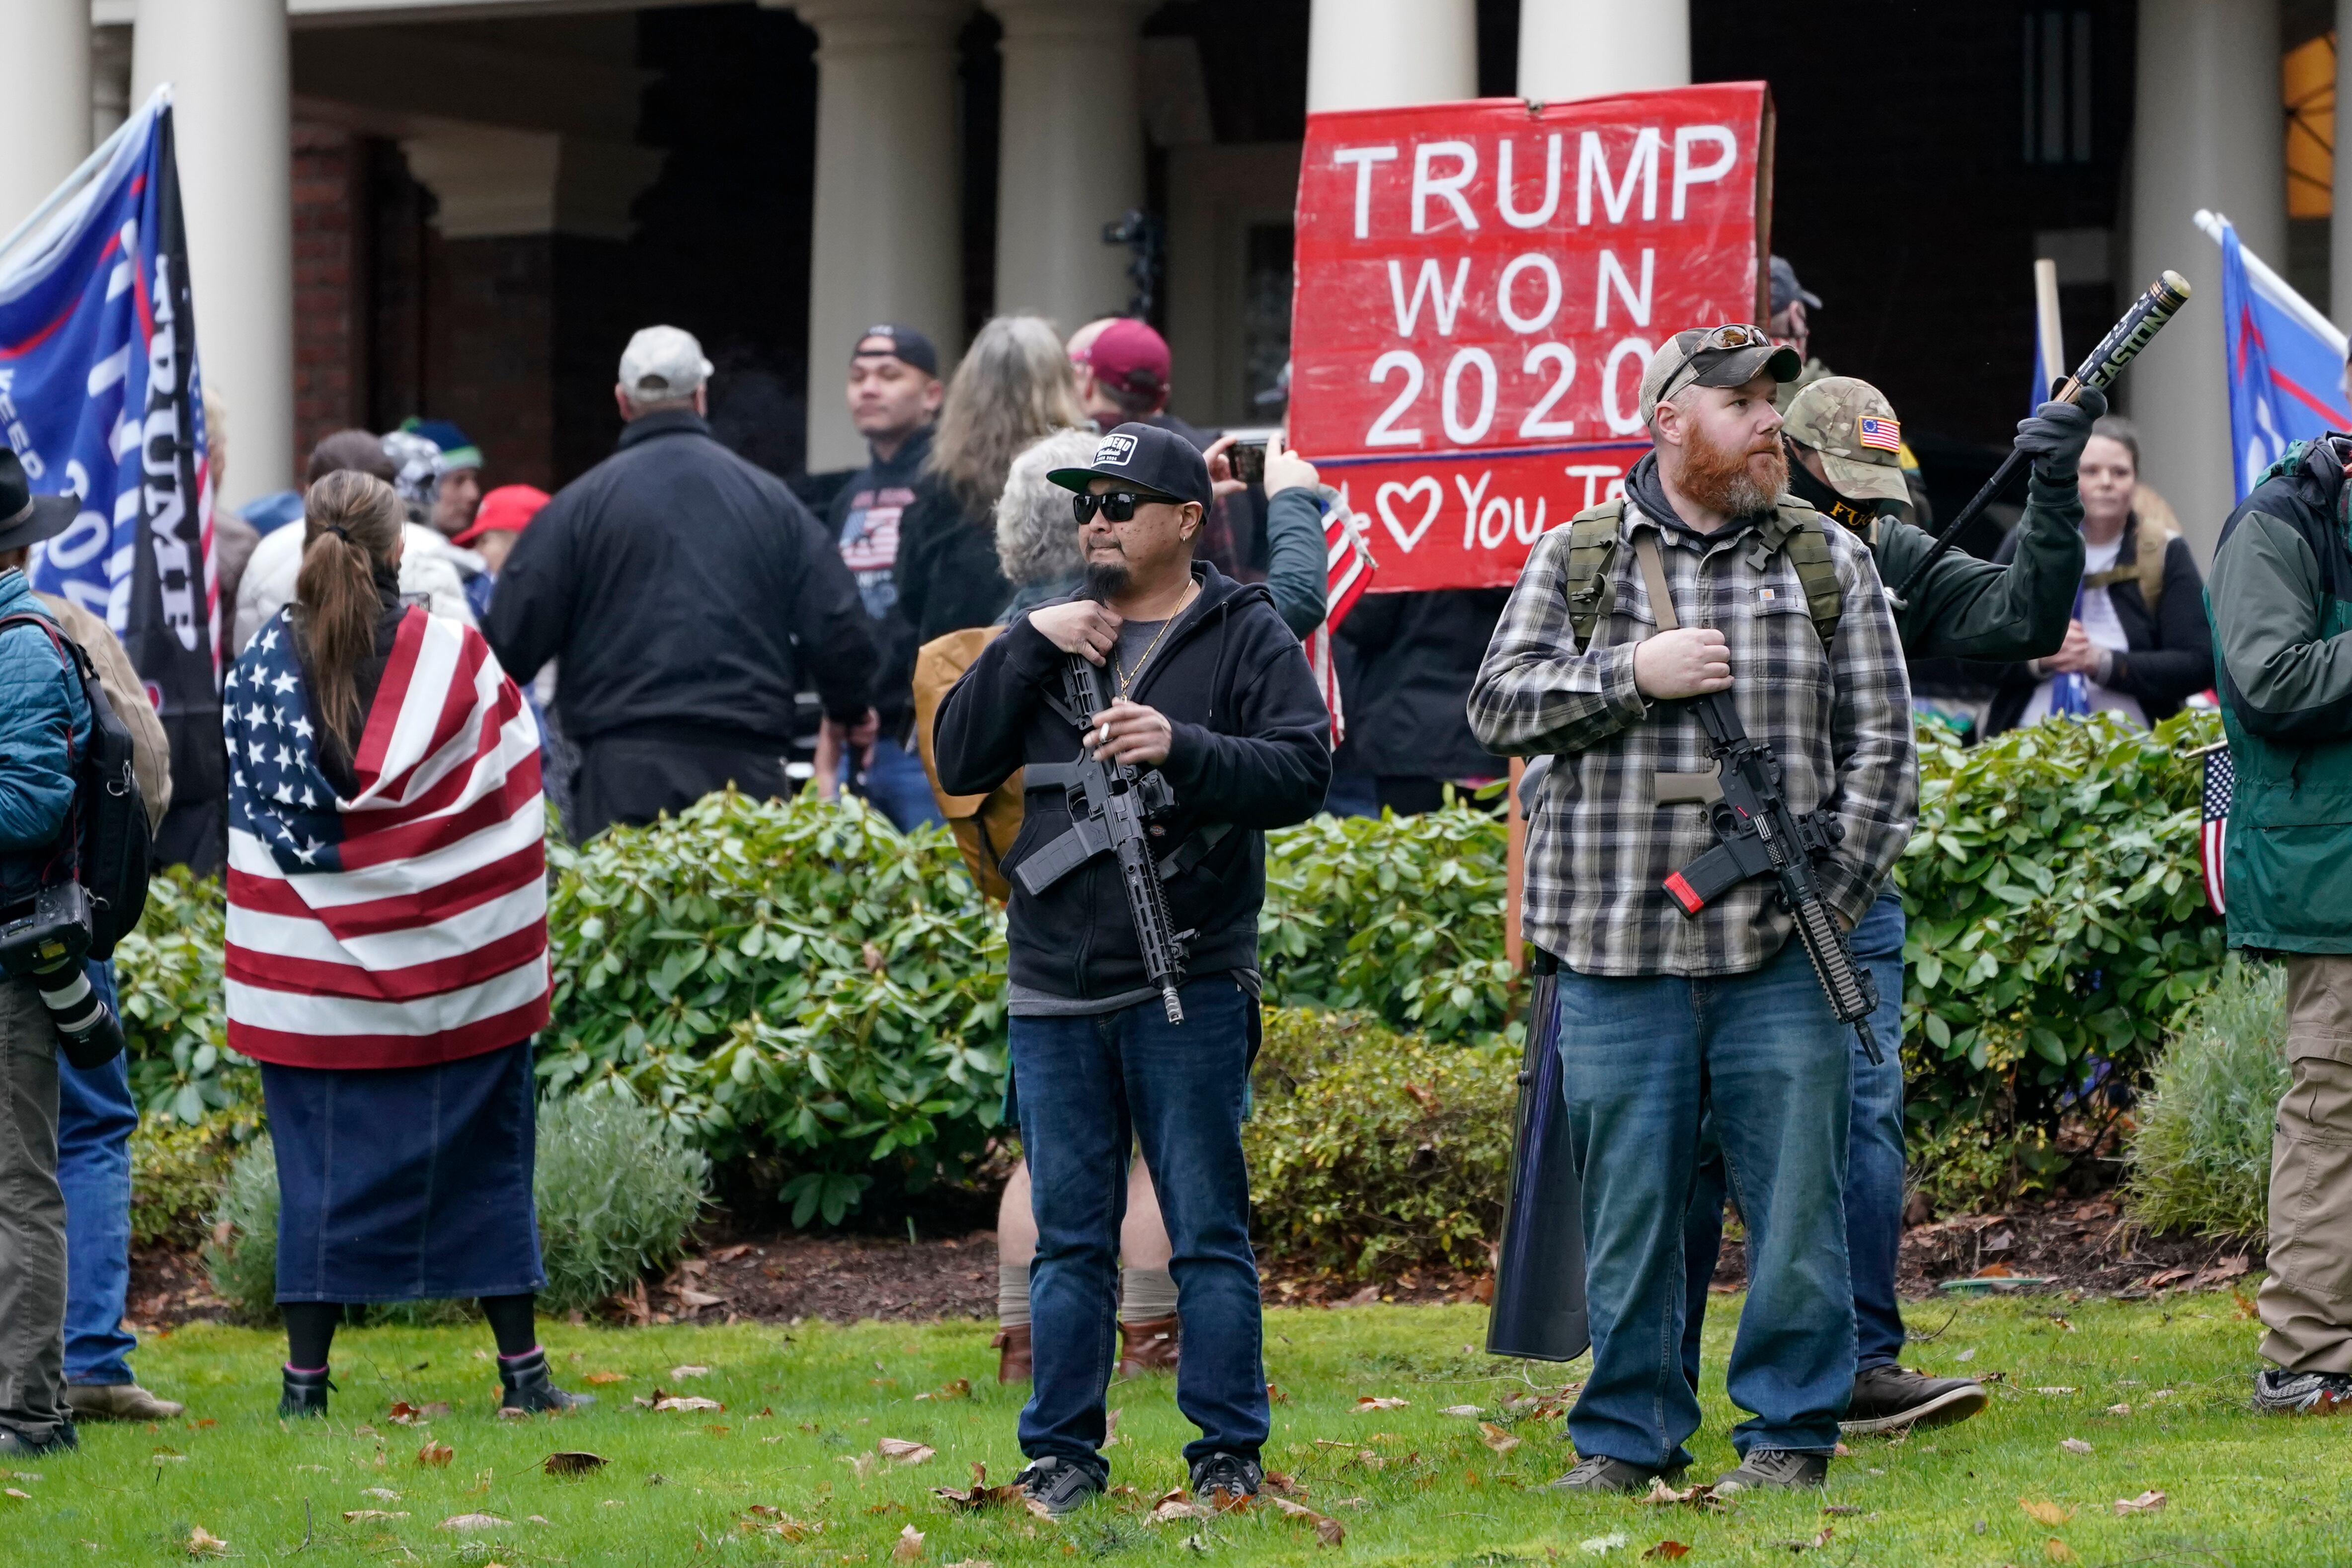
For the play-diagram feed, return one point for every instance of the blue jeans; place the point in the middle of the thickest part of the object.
(1874, 1168)
(96, 1117)
(1647, 1062)
(896, 785)
(1086, 1087)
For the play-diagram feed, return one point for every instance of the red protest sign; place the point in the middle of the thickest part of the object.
(1479, 288)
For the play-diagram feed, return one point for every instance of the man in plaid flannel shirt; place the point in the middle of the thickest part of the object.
(1668, 1022)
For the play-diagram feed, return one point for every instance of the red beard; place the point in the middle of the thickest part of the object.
(1734, 483)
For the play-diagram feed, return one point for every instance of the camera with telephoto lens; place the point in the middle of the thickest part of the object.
(45, 940)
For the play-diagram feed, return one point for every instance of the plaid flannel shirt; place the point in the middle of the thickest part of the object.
(1599, 847)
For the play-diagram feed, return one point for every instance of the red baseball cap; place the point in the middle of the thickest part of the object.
(1132, 357)
(505, 510)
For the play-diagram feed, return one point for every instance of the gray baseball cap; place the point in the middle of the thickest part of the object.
(662, 363)
(1727, 356)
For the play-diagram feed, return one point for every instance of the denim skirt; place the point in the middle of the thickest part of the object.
(406, 1184)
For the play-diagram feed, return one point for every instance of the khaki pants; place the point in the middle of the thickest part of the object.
(32, 1221)
(2307, 1303)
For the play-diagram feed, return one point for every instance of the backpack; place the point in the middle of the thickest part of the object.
(984, 825)
(113, 849)
(2151, 537)
(1796, 528)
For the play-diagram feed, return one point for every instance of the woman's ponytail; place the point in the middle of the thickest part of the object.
(351, 526)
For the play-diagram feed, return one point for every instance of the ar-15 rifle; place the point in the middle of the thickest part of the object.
(1112, 805)
(1757, 835)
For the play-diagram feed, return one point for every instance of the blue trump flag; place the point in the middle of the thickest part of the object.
(2285, 360)
(100, 396)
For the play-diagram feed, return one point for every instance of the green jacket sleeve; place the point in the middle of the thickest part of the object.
(2266, 600)
(1968, 609)
(1295, 572)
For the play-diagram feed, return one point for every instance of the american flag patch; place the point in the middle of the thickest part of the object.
(1886, 435)
(2221, 788)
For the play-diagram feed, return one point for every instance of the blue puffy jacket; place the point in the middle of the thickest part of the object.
(41, 704)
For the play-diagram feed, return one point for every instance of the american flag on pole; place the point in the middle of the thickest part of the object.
(406, 925)
(2220, 784)
(1348, 567)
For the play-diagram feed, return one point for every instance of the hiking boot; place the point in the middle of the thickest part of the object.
(1057, 1486)
(1225, 1481)
(119, 1402)
(2278, 1391)
(15, 1445)
(1786, 1468)
(304, 1392)
(1600, 1473)
(1147, 1346)
(528, 1389)
(1886, 1397)
(1014, 1364)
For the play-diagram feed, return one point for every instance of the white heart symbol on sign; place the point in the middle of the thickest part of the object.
(1407, 538)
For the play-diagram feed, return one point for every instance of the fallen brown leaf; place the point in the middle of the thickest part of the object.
(1282, 1485)
(680, 1374)
(861, 1465)
(904, 1451)
(1327, 1531)
(18, 1495)
(1176, 1504)
(2058, 1551)
(687, 1401)
(1495, 1437)
(203, 1542)
(601, 1378)
(2048, 1513)
(1468, 1411)
(462, 1522)
(729, 1253)
(435, 1453)
(1701, 1496)
(1367, 1402)
(1275, 1395)
(1667, 1550)
(980, 1494)
(910, 1546)
(2146, 1502)
(779, 1522)
(358, 1515)
(2073, 1444)
(386, 1493)
(571, 1462)
(960, 1389)
(1111, 1428)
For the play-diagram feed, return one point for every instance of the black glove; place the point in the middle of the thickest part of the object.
(2058, 432)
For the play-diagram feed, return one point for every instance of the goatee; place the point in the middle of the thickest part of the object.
(1106, 580)
(1734, 482)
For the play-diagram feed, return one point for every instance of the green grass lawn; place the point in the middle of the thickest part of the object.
(803, 1408)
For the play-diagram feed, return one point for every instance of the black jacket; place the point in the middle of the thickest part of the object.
(1406, 694)
(682, 587)
(2170, 656)
(948, 576)
(1251, 749)
(889, 486)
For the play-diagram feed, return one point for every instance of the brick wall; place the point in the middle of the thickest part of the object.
(491, 332)
(329, 287)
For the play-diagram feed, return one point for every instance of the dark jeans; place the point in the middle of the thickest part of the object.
(96, 1117)
(1087, 1086)
(1874, 1168)
(32, 1222)
(896, 785)
(1647, 1061)
(633, 780)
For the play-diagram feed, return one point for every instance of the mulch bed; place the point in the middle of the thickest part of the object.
(2079, 1247)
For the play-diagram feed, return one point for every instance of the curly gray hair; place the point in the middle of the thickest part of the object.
(1036, 532)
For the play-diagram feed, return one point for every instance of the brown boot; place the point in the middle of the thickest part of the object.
(1014, 1365)
(1149, 1346)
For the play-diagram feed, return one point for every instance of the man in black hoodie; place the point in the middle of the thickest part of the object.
(1209, 687)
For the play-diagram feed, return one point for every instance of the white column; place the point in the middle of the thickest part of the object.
(227, 62)
(889, 229)
(1070, 156)
(2339, 218)
(48, 101)
(2209, 134)
(1588, 48)
(1380, 54)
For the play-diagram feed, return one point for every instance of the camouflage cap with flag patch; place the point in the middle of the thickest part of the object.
(1850, 423)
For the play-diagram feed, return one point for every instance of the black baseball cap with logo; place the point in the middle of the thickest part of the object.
(1151, 460)
(899, 342)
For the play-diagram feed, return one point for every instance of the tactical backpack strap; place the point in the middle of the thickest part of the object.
(2151, 540)
(1802, 534)
(1592, 547)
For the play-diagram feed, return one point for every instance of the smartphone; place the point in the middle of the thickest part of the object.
(1248, 460)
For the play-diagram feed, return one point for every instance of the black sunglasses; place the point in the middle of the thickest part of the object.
(1117, 506)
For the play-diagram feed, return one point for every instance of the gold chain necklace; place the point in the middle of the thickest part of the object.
(1127, 677)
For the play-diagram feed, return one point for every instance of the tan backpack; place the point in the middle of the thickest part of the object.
(2154, 528)
(984, 825)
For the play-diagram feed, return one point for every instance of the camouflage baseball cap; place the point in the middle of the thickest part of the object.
(1727, 356)
(1853, 427)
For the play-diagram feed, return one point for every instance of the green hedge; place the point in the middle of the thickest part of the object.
(2199, 1160)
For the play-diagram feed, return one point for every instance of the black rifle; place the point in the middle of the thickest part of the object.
(2159, 304)
(1757, 835)
(1112, 808)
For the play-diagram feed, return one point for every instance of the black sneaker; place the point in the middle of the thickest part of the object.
(527, 1390)
(303, 1392)
(1600, 1473)
(1058, 1486)
(1887, 1397)
(1786, 1468)
(1225, 1481)
(15, 1445)
(2281, 1392)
